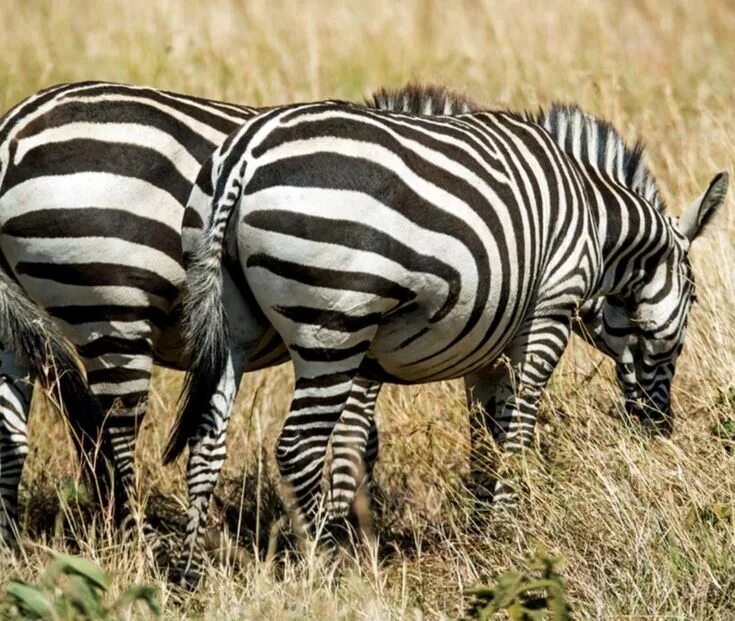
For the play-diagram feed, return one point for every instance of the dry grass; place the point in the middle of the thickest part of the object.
(633, 518)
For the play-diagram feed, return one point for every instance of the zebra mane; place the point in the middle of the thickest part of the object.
(596, 142)
(583, 136)
(425, 99)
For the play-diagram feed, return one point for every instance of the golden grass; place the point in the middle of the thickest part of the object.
(633, 518)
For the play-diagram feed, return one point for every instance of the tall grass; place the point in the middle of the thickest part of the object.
(646, 527)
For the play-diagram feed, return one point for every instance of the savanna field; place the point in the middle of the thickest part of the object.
(644, 528)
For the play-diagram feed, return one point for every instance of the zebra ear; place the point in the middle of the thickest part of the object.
(699, 213)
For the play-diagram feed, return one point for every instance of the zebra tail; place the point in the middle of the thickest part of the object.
(206, 331)
(29, 331)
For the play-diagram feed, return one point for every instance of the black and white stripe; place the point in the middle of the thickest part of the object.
(410, 248)
(34, 347)
(94, 180)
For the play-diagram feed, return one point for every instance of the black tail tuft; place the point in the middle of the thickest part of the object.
(29, 332)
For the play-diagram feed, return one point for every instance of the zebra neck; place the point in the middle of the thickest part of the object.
(633, 237)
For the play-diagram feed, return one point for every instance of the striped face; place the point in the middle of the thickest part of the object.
(644, 332)
(658, 317)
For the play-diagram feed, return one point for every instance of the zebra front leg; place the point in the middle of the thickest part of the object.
(483, 390)
(354, 448)
(207, 452)
(15, 399)
(509, 396)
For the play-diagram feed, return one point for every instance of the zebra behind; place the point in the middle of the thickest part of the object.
(407, 248)
(94, 180)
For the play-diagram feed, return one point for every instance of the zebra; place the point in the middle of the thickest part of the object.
(94, 180)
(410, 248)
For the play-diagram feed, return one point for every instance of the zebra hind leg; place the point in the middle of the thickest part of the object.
(302, 447)
(207, 452)
(354, 452)
(120, 381)
(205, 428)
(325, 379)
(15, 398)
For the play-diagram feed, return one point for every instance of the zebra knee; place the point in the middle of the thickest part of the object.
(285, 452)
(298, 452)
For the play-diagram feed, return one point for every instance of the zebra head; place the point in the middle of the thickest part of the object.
(644, 330)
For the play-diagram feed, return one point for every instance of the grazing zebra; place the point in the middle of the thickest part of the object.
(410, 248)
(94, 179)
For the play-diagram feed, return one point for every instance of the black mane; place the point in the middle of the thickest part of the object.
(596, 142)
(583, 136)
(425, 99)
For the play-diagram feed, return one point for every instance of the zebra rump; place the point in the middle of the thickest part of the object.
(581, 219)
(205, 323)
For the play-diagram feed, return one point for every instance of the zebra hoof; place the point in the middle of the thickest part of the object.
(186, 576)
(653, 422)
(338, 508)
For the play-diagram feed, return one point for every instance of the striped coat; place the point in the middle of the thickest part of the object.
(94, 179)
(413, 248)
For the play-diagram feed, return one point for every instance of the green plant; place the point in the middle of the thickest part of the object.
(71, 590)
(724, 430)
(524, 598)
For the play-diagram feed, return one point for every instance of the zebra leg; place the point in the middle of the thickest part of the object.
(302, 444)
(326, 364)
(207, 443)
(15, 399)
(207, 452)
(510, 395)
(354, 448)
(483, 390)
(120, 381)
(372, 449)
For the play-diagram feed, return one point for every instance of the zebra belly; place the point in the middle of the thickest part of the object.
(406, 351)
